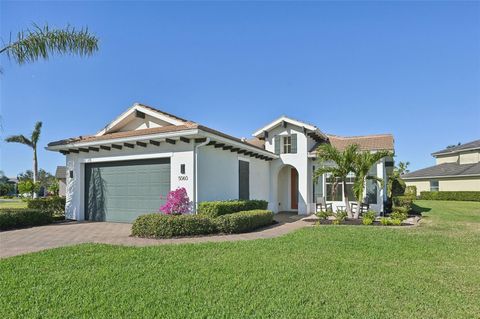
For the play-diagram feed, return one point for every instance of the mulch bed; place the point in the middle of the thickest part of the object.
(358, 222)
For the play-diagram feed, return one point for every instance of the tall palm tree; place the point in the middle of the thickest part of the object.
(32, 142)
(342, 160)
(38, 42)
(362, 164)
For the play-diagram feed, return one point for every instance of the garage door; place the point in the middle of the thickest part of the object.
(121, 191)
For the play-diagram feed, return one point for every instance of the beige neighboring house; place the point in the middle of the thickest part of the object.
(61, 176)
(457, 169)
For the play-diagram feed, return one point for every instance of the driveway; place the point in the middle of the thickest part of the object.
(22, 241)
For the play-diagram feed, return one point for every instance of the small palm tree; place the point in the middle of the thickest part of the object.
(32, 142)
(342, 161)
(40, 42)
(362, 164)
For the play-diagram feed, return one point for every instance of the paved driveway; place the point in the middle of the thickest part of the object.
(17, 242)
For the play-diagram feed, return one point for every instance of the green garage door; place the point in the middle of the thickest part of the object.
(121, 191)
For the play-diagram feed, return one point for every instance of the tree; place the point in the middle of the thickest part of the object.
(28, 186)
(362, 164)
(402, 168)
(54, 188)
(343, 165)
(38, 42)
(32, 143)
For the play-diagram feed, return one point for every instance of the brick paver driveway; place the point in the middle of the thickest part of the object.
(17, 242)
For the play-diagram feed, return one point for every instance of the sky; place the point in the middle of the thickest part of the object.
(350, 68)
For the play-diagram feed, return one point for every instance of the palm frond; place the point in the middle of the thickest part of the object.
(36, 133)
(19, 139)
(41, 42)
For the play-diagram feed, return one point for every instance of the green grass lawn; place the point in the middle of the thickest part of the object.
(429, 271)
(12, 203)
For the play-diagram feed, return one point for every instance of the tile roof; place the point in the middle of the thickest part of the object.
(445, 170)
(366, 142)
(458, 148)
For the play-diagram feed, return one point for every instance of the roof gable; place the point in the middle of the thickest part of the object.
(139, 117)
(282, 121)
(473, 145)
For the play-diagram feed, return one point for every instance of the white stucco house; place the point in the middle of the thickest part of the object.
(128, 167)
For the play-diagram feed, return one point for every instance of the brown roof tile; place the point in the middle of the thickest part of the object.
(366, 143)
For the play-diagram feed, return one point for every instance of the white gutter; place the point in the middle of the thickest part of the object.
(195, 170)
(445, 176)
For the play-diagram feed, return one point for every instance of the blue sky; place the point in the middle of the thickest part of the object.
(351, 68)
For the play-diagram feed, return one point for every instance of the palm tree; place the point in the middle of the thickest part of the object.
(362, 164)
(40, 42)
(342, 161)
(32, 142)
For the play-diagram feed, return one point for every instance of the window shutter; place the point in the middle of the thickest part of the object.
(277, 144)
(294, 143)
(243, 180)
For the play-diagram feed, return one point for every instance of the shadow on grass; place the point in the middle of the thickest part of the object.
(418, 210)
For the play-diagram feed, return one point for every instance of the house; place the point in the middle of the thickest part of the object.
(128, 167)
(61, 176)
(457, 169)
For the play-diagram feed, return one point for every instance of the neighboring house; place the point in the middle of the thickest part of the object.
(128, 167)
(61, 176)
(457, 169)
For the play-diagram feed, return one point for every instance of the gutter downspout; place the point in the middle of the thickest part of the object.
(195, 170)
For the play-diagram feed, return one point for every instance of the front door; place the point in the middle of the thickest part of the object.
(294, 188)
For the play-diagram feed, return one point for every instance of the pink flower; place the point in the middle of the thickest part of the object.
(177, 203)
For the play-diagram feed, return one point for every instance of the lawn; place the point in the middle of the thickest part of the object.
(429, 271)
(12, 203)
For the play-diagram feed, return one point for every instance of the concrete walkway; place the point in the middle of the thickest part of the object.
(22, 241)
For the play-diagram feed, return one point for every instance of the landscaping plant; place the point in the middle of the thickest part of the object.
(177, 203)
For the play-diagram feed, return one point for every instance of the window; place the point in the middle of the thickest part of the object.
(317, 187)
(434, 186)
(287, 144)
(337, 195)
(243, 180)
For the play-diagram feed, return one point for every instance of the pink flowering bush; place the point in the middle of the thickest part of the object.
(177, 203)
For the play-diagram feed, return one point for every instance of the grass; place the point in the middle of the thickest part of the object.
(12, 203)
(429, 271)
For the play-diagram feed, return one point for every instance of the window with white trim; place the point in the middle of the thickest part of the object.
(287, 144)
(434, 187)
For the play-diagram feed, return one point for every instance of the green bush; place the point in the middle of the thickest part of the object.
(219, 208)
(385, 221)
(371, 214)
(165, 226)
(411, 191)
(399, 213)
(324, 214)
(242, 222)
(403, 201)
(54, 204)
(367, 221)
(460, 196)
(395, 222)
(341, 215)
(11, 218)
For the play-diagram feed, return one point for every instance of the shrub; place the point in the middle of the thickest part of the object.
(11, 218)
(335, 222)
(371, 214)
(367, 221)
(166, 226)
(399, 213)
(411, 191)
(53, 205)
(385, 221)
(218, 208)
(242, 222)
(460, 196)
(403, 201)
(177, 202)
(324, 214)
(395, 222)
(341, 215)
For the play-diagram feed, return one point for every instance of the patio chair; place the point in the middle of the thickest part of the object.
(364, 207)
(322, 206)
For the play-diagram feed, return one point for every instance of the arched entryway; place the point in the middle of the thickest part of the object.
(287, 190)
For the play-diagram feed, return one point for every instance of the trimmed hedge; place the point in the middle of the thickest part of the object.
(166, 226)
(242, 222)
(403, 201)
(459, 196)
(11, 218)
(54, 204)
(219, 208)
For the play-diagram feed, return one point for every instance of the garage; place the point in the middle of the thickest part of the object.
(121, 191)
